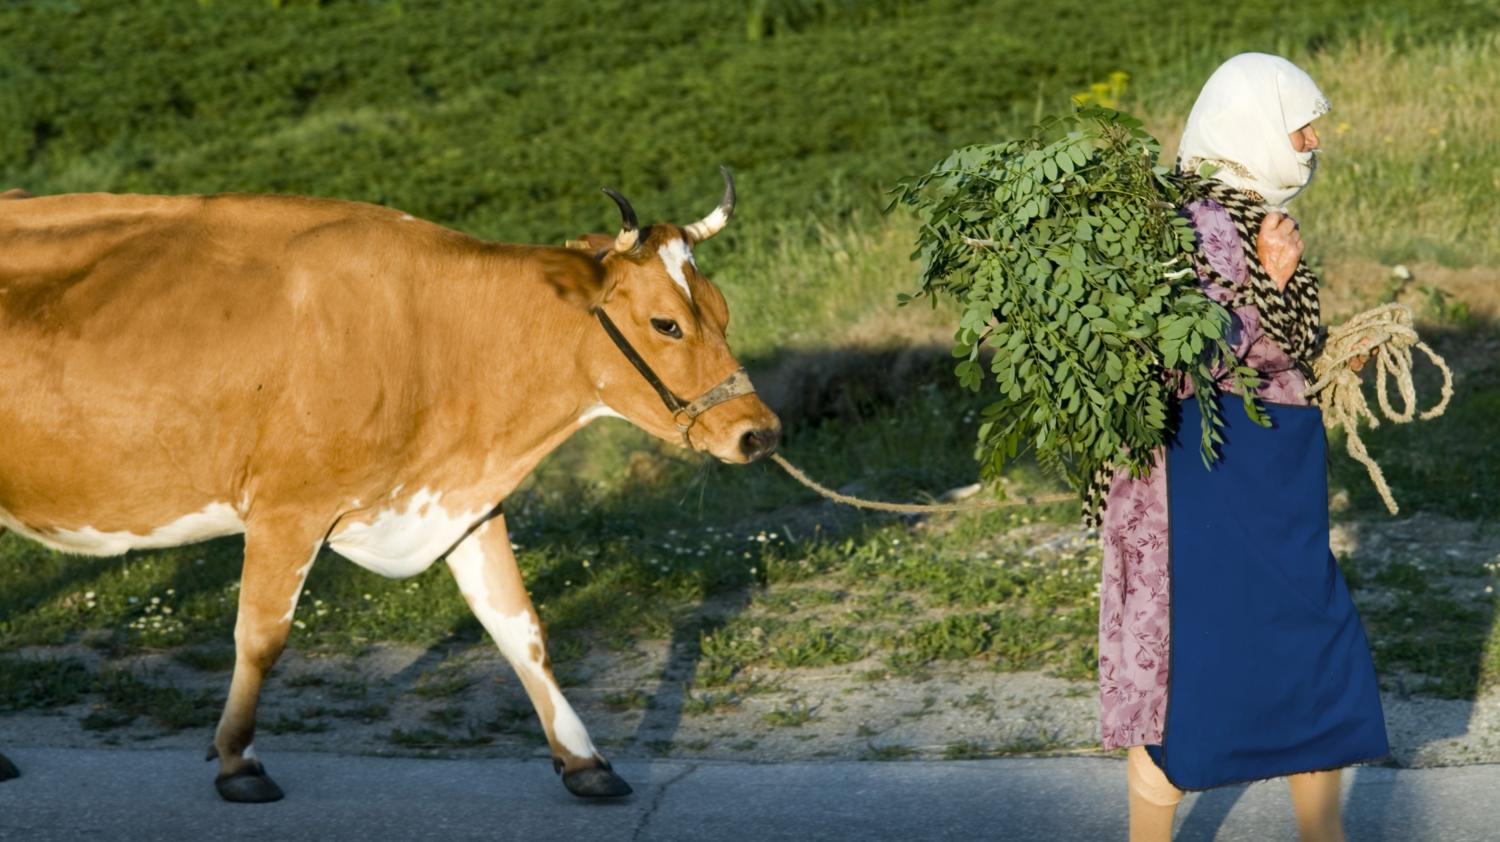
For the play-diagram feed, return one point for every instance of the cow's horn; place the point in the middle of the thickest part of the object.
(630, 228)
(715, 222)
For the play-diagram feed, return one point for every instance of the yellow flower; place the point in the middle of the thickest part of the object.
(1106, 93)
(1341, 127)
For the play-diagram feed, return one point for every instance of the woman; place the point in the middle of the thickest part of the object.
(1227, 641)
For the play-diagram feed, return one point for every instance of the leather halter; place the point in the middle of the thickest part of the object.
(684, 413)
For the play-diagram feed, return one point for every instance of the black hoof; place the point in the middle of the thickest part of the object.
(249, 786)
(596, 782)
(8, 769)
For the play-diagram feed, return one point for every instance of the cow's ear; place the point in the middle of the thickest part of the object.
(576, 277)
(592, 243)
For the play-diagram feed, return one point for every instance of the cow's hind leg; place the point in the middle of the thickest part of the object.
(278, 556)
(487, 575)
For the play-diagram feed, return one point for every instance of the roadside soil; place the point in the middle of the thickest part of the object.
(465, 701)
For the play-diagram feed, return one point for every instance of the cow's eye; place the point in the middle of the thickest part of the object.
(667, 327)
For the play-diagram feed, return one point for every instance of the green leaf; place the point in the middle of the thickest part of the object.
(1086, 322)
(970, 375)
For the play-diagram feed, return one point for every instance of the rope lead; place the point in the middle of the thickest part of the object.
(916, 508)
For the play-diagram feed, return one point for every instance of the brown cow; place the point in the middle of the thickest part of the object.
(323, 373)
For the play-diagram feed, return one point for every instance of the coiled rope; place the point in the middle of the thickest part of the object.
(1386, 335)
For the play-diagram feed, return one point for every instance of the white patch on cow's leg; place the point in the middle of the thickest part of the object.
(520, 640)
(301, 574)
(676, 256)
(483, 566)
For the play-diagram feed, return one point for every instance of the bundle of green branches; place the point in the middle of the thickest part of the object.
(1072, 264)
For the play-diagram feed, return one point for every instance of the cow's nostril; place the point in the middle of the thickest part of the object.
(758, 443)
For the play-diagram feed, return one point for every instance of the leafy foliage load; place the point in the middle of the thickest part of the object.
(1072, 264)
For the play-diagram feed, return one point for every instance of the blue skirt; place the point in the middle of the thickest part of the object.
(1270, 671)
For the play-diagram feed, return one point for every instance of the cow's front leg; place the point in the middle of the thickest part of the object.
(487, 575)
(278, 556)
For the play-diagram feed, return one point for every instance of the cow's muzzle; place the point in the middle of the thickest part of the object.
(685, 413)
(757, 443)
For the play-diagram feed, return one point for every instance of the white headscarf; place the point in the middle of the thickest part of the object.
(1242, 121)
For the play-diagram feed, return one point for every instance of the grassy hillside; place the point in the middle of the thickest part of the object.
(503, 119)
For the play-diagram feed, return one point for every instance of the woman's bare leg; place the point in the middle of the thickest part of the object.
(1316, 800)
(1153, 799)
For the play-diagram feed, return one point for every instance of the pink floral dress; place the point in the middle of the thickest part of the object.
(1134, 628)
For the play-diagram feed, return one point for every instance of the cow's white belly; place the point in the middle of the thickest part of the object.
(404, 541)
(213, 521)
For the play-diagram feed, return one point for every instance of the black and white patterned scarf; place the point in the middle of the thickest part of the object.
(1290, 317)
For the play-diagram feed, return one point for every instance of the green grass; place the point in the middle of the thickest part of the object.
(505, 120)
(221, 659)
(129, 695)
(1432, 622)
(1439, 639)
(27, 683)
(363, 713)
(106, 719)
(449, 718)
(965, 750)
(430, 738)
(703, 703)
(627, 700)
(305, 722)
(893, 751)
(443, 682)
(121, 695)
(794, 714)
(305, 680)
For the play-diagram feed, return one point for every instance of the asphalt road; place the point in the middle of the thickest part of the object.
(72, 794)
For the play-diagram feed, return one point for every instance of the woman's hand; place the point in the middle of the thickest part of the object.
(1359, 362)
(1279, 247)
